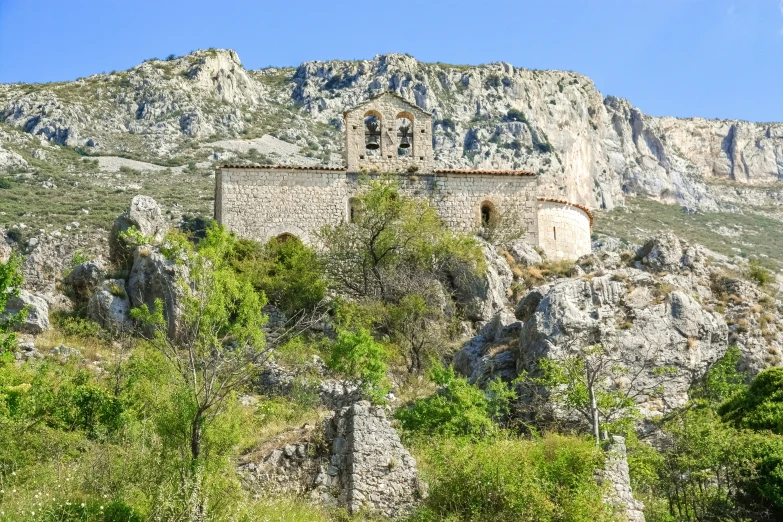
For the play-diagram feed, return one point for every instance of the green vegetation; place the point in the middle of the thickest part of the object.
(10, 280)
(642, 218)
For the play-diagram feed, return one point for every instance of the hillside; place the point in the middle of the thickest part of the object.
(80, 149)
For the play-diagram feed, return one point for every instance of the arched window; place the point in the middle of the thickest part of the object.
(488, 213)
(404, 124)
(285, 237)
(353, 209)
(372, 133)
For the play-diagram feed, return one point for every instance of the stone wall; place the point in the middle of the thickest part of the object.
(563, 230)
(359, 463)
(388, 107)
(264, 202)
(616, 474)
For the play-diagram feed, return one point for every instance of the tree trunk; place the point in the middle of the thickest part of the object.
(594, 414)
(195, 437)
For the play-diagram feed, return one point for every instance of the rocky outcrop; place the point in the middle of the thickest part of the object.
(154, 277)
(523, 253)
(481, 296)
(362, 466)
(145, 216)
(110, 306)
(617, 478)
(85, 278)
(36, 320)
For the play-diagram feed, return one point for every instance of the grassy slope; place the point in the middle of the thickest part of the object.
(758, 236)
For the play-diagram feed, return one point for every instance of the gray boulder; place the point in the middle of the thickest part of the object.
(480, 297)
(662, 254)
(110, 306)
(523, 253)
(155, 277)
(85, 278)
(145, 215)
(37, 319)
(640, 330)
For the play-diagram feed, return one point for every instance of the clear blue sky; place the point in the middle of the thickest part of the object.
(710, 58)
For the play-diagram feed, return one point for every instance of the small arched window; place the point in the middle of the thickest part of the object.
(488, 213)
(285, 237)
(353, 209)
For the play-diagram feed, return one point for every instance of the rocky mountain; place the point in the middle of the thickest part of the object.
(206, 108)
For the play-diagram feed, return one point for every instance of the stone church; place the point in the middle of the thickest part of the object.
(389, 135)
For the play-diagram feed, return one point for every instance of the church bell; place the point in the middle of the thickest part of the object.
(372, 136)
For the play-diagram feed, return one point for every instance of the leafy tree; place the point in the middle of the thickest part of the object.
(288, 272)
(585, 383)
(361, 360)
(419, 328)
(220, 342)
(392, 246)
(758, 406)
(10, 280)
(458, 408)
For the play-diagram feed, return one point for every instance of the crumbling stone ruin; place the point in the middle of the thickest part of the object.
(387, 135)
(356, 461)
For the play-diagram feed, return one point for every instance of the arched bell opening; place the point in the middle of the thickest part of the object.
(404, 124)
(487, 213)
(372, 133)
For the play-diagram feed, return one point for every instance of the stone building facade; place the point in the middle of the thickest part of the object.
(388, 135)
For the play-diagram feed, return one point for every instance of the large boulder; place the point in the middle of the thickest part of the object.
(145, 215)
(37, 318)
(662, 254)
(85, 278)
(481, 296)
(641, 329)
(524, 254)
(153, 277)
(109, 306)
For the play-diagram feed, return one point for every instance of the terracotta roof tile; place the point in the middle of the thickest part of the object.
(486, 171)
(282, 167)
(565, 202)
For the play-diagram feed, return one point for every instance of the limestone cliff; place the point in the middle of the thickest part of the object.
(588, 148)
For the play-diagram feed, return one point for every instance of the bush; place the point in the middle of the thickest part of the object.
(509, 479)
(457, 409)
(5, 183)
(195, 227)
(760, 275)
(515, 115)
(760, 405)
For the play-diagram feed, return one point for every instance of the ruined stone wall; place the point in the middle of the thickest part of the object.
(563, 230)
(388, 108)
(260, 203)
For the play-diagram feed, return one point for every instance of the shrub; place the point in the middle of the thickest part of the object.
(510, 479)
(457, 409)
(544, 148)
(757, 273)
(195, 227)
(515, 115)
(360, 359)
(5, 183)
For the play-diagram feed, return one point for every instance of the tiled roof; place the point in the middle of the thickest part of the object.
(281, 167)
(565, 202)
(485, 171)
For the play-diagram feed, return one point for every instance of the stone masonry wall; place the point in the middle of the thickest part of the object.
(261, 203)
(563, 231)
(387, 108)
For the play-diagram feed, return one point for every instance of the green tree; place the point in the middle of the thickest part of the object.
(392, 246)
(219, 344)
(585, 382)
(10, 280)
(360, 359)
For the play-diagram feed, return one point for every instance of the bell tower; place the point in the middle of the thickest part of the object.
(388, 134)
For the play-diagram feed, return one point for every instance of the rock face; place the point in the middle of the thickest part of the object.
(589, 149)
(37, 319)
(365, 467)
(615, 472)
(626, 318)
(155, 277)
(145, 215)
(482, 296)
(523, 253)
(110, 307)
